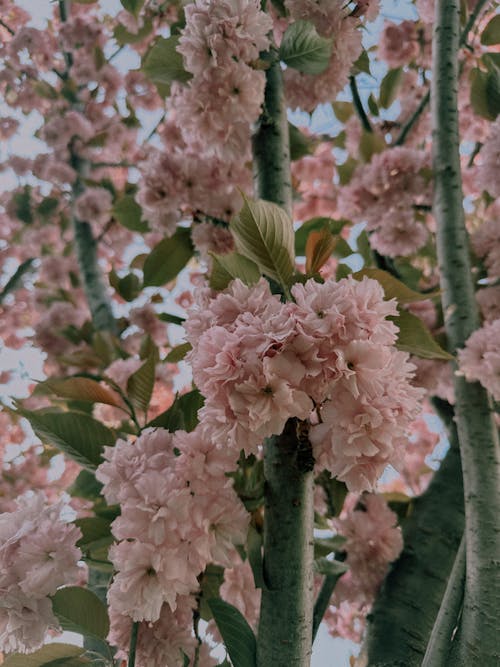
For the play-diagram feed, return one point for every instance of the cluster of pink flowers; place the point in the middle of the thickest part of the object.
(480, 359)
(179, 512)
(333, 20)
(386, 194)
(259, 362)
(37, 556)
(487, 172)
(224, 97)
(373, 541)
(314, 181)
(485, 242)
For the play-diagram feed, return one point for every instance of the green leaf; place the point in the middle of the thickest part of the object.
(178, 353)
(319, 248)
(15, 280)
(132, 6)
(254, 554)
(22, 205)
(210, 583)
(77, 434)
(129, 214)
(226, 268)
(47, 206)
(312, 225)
(128, 287)
(330, 567)
(163, 64)
(173, 319)
(304, 50)
(62, 655)
(238, 636)
(264, 234)
(414, 337)
(491, 34)
(328, 545)
(81, 389)
(123, 36)
(300, 144)
(343, 110)
(369, 144)
(346, 170)
(362, 64)
(389, 87)
(485, 92)
(372, 105)
(140, 384)
(79, 610)
(85, 486)
(96, 532)
(168, 258)
(393, 288)
(182, 414)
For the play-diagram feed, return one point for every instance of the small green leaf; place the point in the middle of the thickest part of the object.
(226, 268)
(129, 287)
(304, 50)
(312, 225)
(319, 248)
(123, 36)
(182, 414)
(485, 92)
(129, 214)
(62, 655)
(47, 206)
(414, 337)
(238, 636)
(254, 554)
(172, 319)
(132, 6)
(491, 34)
(393, 288)
(96, 532)
(389, 87)
(343, 110)
(168, 258)
(264, 234)
(330, 567)
(79, 610)
(346, 170)
(178, 353)
(327, 545)
(22, 205)
(15, 280)
(75, 433)
(163, 64)
(210, 583)
(85, 486)
(369, 144)
(300, 144)
(140, 384)
(362, 64)
(372, 105)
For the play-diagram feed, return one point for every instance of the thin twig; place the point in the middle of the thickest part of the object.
(358, 105)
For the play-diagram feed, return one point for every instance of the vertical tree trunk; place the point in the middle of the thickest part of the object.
(477, 641)
(285, 627)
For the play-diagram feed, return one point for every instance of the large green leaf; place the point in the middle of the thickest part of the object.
(300, 144)
(485, 92)
(129, 214)
(75, 433)
(178, 353)
(226, 268)
(491, 34)
(168, 258)
(132, 6)
(393, 288)
(414, 337)
(81, 389)
(238, 636)
(304, 50)
(264, 234)
(79, 610)
(62, 655)
(163, 64)
(182, 414)
(140, 384)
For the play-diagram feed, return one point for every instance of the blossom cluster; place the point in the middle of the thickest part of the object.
(37, 556)
(329, 355)
(386, 194)
(179, 512)
(480, 359)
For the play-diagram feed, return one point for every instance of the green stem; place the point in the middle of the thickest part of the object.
(402, 618)
(323, 600)
(480, 451)
(133, 644)
(285, 626)
(438, 649)
(358, 105)
(270, 143)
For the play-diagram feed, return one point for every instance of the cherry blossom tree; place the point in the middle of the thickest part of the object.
(271, 351)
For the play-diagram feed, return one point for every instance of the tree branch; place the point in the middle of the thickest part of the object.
(358, 105)
(480, 451)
